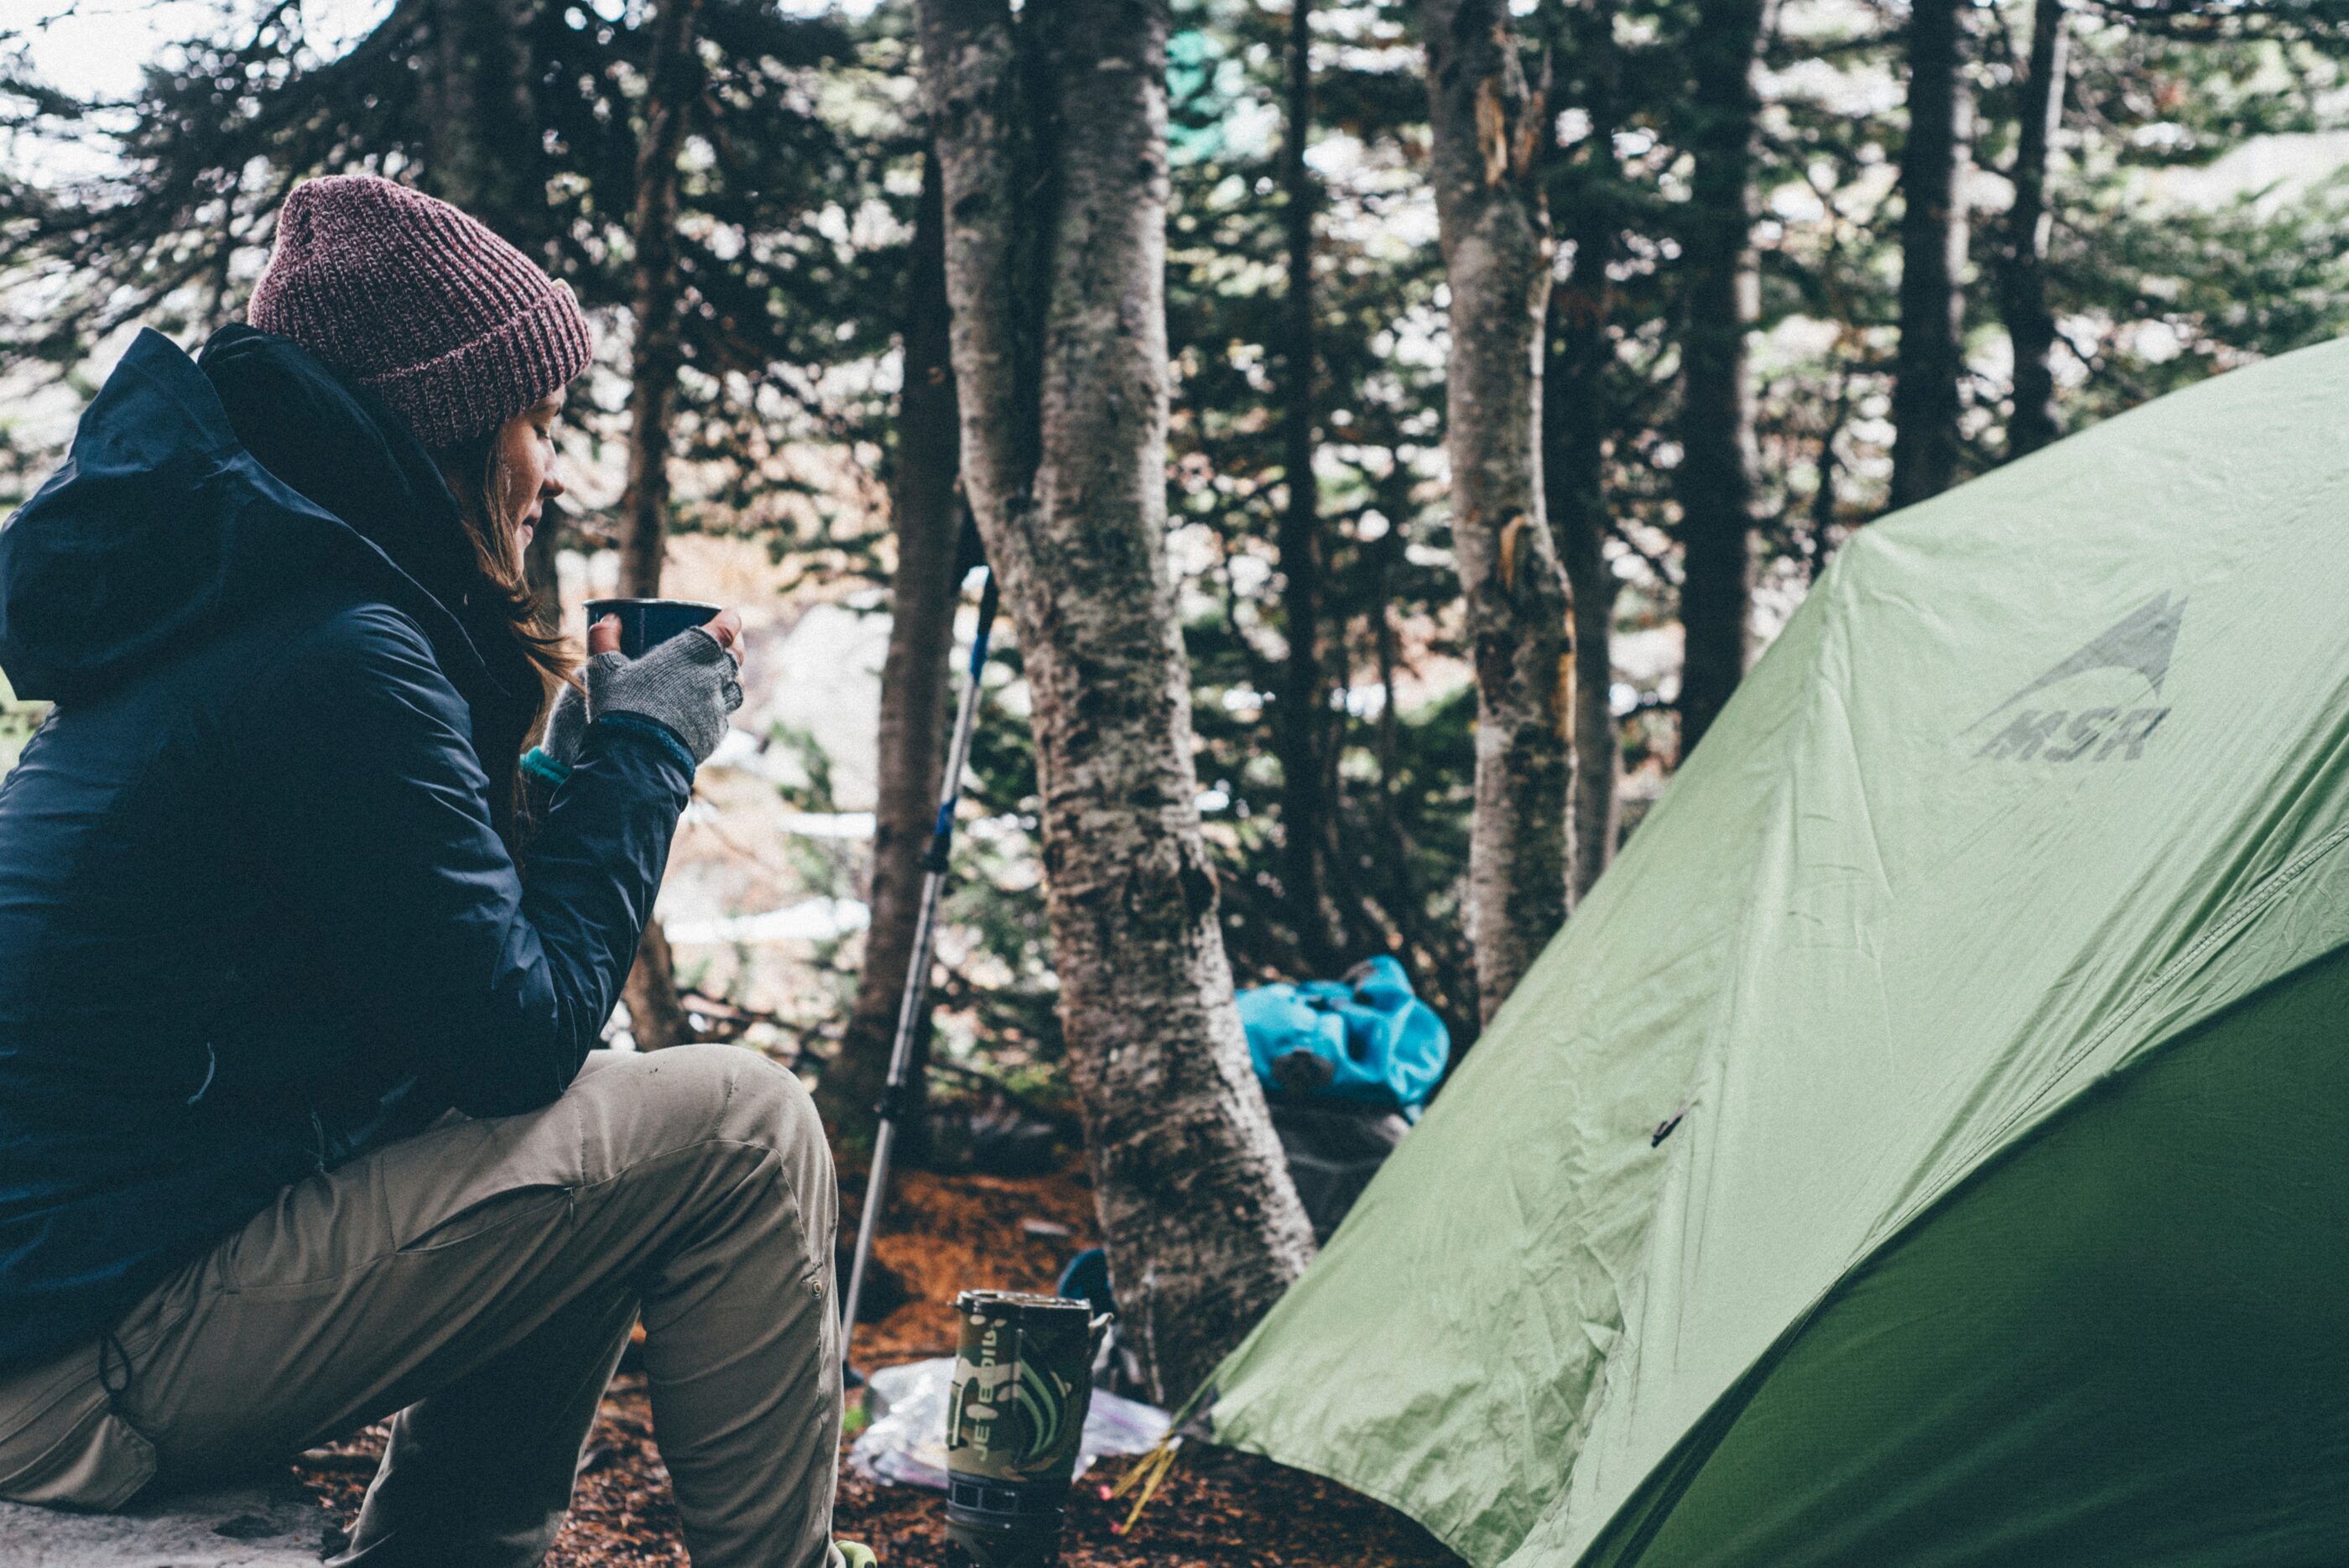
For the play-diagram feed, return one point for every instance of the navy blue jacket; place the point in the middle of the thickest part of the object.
(256, 912)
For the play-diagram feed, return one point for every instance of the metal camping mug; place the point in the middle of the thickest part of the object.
(649, 623)
(1015, 1415)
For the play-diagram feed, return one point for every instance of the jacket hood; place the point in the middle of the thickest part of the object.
(337, 445)
(194, 493)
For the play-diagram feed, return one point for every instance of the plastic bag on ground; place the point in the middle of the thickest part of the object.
(906, 1443)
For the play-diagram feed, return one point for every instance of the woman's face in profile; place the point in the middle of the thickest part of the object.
(526, 466)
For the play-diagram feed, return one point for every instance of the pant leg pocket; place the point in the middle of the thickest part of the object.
(478, 1218)
(453, 1184)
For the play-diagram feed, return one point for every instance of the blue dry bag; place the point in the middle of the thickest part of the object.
(1365, 1038)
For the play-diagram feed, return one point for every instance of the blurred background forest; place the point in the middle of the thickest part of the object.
(1808, 258)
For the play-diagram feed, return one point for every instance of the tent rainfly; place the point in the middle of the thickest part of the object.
(1929, 1145)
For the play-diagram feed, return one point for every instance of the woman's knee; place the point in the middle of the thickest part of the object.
(738, 1095)
(716, 1105)
(761, 1104)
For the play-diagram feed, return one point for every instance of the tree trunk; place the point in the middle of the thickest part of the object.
(1925, 404)
(1818, 540)
(658, 348)
(1715, 480)
(1575, 419)
(1486, 130)
(485, 150)
(913, 680)
(657, 352)
(1302, 730)
(1051, 131)
(656, 1017)
(2022, 286)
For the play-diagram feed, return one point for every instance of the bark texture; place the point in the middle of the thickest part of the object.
(1715, 480)
(657, 352)
(658, 348)
(1051, 133)
(1575, 422)
(915, 680)
(1926, 445)
(1303, 729)
(2022, 281)
(1487, 129)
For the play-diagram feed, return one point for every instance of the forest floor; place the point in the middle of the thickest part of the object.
(1217, 1508)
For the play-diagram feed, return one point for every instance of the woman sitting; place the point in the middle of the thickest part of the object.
(299, 1121)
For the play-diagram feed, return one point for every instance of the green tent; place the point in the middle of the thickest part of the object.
(1930, 1143)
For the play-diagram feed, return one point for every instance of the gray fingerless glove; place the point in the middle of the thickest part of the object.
(687, 684)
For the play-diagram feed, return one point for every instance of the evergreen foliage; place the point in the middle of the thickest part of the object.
(2167, 260)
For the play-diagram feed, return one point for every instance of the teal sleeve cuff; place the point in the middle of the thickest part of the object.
(544, 768)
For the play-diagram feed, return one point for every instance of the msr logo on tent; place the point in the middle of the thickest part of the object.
(2140, 643)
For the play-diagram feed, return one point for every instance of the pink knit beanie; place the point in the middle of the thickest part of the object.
(447, 323)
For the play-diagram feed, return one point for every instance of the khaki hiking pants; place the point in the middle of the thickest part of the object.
(479, 1278)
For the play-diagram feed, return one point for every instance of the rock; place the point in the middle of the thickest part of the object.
(270, 1523)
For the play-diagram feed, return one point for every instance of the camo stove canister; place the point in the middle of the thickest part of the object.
(1015, 1413)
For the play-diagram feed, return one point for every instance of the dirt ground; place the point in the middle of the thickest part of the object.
(1216, 1509)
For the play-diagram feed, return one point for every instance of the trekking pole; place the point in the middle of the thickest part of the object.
(898, 1099)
